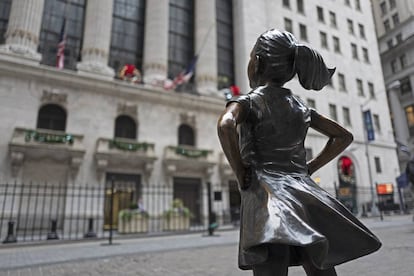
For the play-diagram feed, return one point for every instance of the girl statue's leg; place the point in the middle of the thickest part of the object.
(313, 271)
(277, 263)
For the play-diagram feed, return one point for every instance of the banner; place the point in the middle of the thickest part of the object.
(368, 125)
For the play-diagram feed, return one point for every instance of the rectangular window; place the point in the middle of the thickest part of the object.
(398, 37)
(286, 3)
(403, 61)
(347, 3)
(350, 26)
(365, 54)
(357, 5)
(396, 19)
(392, 4)
(324, 40)
(180, 38)
(341, 81)
(394, 65)
(52, 22)
(321, 18)
(377, 164)
(383, 6)
(311, 103)
(387, 25)
(361, 31)
(405, 85)
(333, 112)
(347, 116)
(360, 87)
(225, 43)
(390, 43)
(332, 19)
(336, 44)
(288, 25)
(127, 35)
(303, 32)
(4, 18)
(354, 50)
(371, 90)
(300, 6)
(377, 123)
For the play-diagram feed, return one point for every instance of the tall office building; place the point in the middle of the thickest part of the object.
(85, 124)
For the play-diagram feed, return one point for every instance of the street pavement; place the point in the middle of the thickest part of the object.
(194, 254)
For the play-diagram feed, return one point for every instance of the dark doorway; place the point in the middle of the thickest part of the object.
(126, 193)
(189, 191)
(235, 201)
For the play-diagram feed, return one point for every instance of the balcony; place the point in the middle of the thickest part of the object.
(188, 159)
(45, 143)
(124, 153)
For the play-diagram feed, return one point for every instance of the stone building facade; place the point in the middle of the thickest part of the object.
(83, 125)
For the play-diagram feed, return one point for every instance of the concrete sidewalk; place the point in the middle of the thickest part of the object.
(32, 255)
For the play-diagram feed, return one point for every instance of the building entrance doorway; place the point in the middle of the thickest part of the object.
(124, 194)
(189, 191)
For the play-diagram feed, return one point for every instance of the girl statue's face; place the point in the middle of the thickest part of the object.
(252, 70)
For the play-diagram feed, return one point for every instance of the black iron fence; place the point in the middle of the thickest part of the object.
(49, 211)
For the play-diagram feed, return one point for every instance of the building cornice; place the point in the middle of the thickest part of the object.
(117, 88)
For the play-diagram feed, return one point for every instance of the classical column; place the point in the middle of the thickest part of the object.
(22, 36)
(97, 39)
(206, 44)
(156, 41)
(400, 120)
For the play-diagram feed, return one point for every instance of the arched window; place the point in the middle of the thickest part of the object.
(52, 21)
(52, 116)
(186, 135)
(125, 127)
(127, 37)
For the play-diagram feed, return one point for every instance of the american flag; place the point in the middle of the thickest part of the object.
(60, 56)
(183, 77)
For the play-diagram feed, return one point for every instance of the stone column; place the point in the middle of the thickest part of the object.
(206, 43)
(400, 120)
(97, 39)
(155, 60)
(22, 36)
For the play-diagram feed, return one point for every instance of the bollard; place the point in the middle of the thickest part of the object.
(90, 233)
(11, 238)
(364, 211)
(52, 235)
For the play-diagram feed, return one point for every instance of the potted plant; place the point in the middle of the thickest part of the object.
(177, 218)
(133, 220)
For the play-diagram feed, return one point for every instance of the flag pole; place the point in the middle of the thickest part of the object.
(205, 39)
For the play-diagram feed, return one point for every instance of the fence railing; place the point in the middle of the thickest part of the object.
(49, 211)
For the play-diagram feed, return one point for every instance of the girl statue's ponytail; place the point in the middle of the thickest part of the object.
(311, 69)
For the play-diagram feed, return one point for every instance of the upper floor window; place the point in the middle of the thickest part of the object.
(347, 116)
(321, 17)
(390, 43)
(399, 38)
(186, 135)
(394, 65)
(332, 112)
(288, 25)
(405, 85)
(378, 168)
(4, 18)
(332, 19)
(341, 81)
(392, 4)
(354, 51)
(300, 6)
(54, 13)
(387, 25)
(371, 90)
(383, 7)
(324, 40)
(357, 5)
(225, 43)
(127, 37)
(336, 44)
(361, 31)
(350, 26)
(303, 32)
(360, 87)
(125, 127)
(365, 54)
(377, 123)
(286, 3)
(396, 19)
(347, 3)
(311, 103)
(51, 116)
(181, 36)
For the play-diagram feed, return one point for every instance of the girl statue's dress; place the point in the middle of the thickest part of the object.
(283, 211)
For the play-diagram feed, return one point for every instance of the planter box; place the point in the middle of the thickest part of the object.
(136, 224)
(176, 223)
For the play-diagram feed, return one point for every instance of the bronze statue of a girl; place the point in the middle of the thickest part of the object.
(286, 218)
